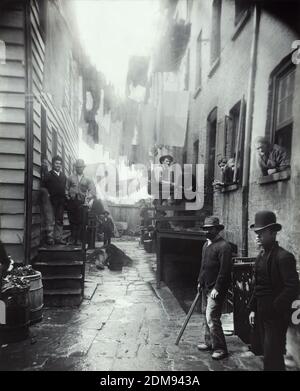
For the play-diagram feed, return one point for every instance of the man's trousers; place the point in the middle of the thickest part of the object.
(58, 206)
(75, 218)
(272, 329)
(214, 335)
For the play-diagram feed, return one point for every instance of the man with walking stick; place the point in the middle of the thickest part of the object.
(213, 281)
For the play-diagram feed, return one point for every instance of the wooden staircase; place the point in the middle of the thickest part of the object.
(62, 269)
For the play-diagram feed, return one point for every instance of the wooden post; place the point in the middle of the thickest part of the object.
(28, 135)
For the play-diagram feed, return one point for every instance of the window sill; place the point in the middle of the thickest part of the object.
(231, 187)
(277, 177)
(214, 67)
(197, 92)
(226, 188)
(241, 24)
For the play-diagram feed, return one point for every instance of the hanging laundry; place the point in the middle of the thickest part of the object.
(172, 117)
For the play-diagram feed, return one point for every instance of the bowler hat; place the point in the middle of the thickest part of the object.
(162, 158)
(212, 221)
(79, 163)
(265, 219)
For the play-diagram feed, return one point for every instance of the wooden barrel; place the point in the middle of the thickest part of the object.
(17, 308)
(35, 297)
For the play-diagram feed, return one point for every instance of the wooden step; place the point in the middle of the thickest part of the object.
(60, 254)
(63, 277)
(62, 282)
(61, 258)
(59, 263)
(59, 268)
(62, 297)
(63, 292)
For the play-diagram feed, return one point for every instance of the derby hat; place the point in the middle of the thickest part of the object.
(212, 221)
(79, 163)
(162, 158)
(265, 219)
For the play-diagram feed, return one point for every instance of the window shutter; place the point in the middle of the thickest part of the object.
(239, 144)
(228, 136)
(220, 148)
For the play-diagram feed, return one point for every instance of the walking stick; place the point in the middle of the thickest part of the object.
(191, 310)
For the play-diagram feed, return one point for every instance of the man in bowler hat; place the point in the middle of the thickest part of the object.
(275, 288)
(214, 280)
(80, 190)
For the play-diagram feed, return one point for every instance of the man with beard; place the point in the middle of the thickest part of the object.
(214, 280)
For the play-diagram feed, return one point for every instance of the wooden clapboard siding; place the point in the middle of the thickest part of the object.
(12, 146)
(12, 131)
(11, 206)
(9, 176)
(12, 235)
(12, 84)
(10, 100)
(12, 36)
(15, 53)
(11, 192)
(12, 221)
(13, 124)
(11, 18)
(12, 68)
(37, 143)
(12, 161)
(12, 115)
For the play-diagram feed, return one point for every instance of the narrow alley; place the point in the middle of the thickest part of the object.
(148, 172)
(126, 325)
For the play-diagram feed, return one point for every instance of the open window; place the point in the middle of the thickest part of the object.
(279, 128)
(231, 164)
(284, 86)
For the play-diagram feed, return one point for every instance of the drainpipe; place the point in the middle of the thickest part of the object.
(248, 130)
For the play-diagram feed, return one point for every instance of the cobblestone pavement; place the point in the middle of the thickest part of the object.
(125, 325)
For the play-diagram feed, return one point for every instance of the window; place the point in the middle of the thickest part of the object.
(199, 60)
(232, 125)
(284, 83)
(241, 6)
(215, 47)
(54, 142)
(234, 140)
